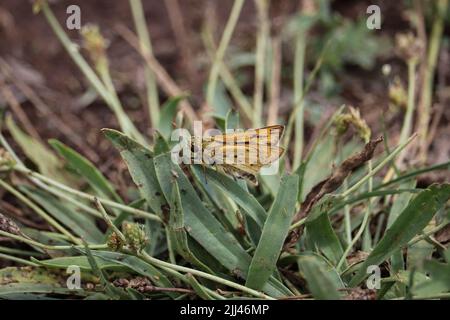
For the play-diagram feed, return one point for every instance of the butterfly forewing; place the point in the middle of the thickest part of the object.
(243, 154)
(265, 135)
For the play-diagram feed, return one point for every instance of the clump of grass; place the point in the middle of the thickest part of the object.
(195, 233)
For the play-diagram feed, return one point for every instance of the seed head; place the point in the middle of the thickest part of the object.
(408, 46)
(96, 45)
(114, 242)
(353, 117)
(135, 236)
(6, 161)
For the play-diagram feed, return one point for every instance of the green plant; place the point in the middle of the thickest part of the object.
(196, 233)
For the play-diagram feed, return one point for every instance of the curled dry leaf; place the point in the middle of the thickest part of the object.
(9, 226)
(333, 182)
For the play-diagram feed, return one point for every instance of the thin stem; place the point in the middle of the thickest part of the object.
(386, 160)
(227, 77)
(297, 224)
(108, 220)
(427, 86)
(67, 198)
(183, 278)
(427, 233)
(89, 197)
(299, 66)
(355, 239)
(367, 240)
(19, 252)
(275, 81)
(163, 78)
(146, 46)
(145, 256)
(48, 247)
(407, 122)
(261, 50)
(103, 91)
(42, 185)
(49, 219)
(347, 218)
(229, 28)
(299, 102)
(445, 295)
(412, 174)
(18, 260)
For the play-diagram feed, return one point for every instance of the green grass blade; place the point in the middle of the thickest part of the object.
(243, 198)
(323, 281)
(321, 232)
(140, 164)
(139, 266)
(177, 230)
(79, 223)
(80, 261)
(86, 169)
(47, 162)
(167, 116)
(274, 233)
(410, 222)
(202, 226)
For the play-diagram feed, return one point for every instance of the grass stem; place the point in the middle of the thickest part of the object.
(220, 53)
(145, 42)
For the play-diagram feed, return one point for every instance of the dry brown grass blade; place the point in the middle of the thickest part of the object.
(333, 182)
(9, 226)
(17, 109)
(163, 78)
(33, 97)
(182, 36)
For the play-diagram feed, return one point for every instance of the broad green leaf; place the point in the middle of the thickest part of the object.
(86, 169)
(226, 208)
(433, 278)
(400, 203)
(140, 164)
(410, 222)
(161, 145)
(232, 120)
(137, 265)
(177, 230)
(200, 224)
(80, 261)
(14, 288)
(28, 275)
(274, 233)
(33, 280)
(242, 197)
(438, 279)
(320, 231)
(111, 290)
(418, 253)
(198, 288)
(322, 279)
(204, 227)
(81, 224)
(167, 115)
(47, 162)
